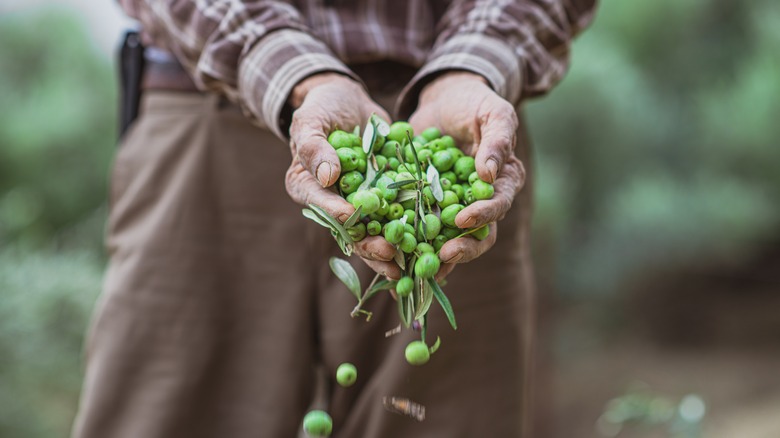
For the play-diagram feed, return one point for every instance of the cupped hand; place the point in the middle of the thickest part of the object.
(323, 103)
(484, 125)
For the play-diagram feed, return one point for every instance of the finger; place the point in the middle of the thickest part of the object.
(444, 271)
(507, 186)
(388, 269)
(375, 248)
(465, 249)
(310, 144)
(497, 143)
(305, 190)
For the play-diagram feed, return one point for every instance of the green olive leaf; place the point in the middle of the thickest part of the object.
(426, 298)
(435, 345)
(405, 195)
(369, 136)
(379, 286)
(399, 257)
(409, 309)
(433, 180)
(424, 326)
(368, 182)
(381, 125)
(352, 220)
(414, 154)
(343, 238)
(399, 184)
(356, 131)
(313, 216)
(403, 305)
(444, 301)
(346, 273)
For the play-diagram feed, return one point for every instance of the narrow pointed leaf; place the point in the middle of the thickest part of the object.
(399, 258)
(370, 177)
(346, 273)
(335, 224)
(444, 301)
(425, 300)
(352, 220)
(399, 184)
(379, 286)
(356, 131)
(369, 136)
(414, 154)
(313, 216)
(433, 179)
(381, 125)
(402, 312)
(405, 195)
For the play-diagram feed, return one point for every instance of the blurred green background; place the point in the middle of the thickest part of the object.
(657, 187)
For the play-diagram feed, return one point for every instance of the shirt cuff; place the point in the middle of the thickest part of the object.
(489, 57)
(270, 70)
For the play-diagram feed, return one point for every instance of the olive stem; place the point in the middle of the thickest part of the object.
(358, 310)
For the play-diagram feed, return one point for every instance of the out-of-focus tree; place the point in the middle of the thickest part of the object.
(57, 125)
(661, 147)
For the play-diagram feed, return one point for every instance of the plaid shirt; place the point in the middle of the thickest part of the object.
(256, 51)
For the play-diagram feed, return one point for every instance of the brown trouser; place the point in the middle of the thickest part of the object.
(218, 303)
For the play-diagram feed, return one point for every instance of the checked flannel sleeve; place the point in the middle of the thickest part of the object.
(254, 52)
(521, 47)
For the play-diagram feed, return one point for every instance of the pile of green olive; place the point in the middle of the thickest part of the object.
(427, 225)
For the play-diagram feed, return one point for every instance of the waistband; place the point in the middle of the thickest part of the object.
(162, 71)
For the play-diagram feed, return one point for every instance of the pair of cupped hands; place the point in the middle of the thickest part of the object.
(460, 104)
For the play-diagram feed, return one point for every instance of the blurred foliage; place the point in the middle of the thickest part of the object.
(660, 149)
(57, 125)
(57, 134)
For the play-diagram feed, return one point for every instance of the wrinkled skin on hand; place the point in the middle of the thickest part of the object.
(325, 102)
(484, 125)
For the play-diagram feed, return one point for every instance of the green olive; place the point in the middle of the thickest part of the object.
(393, 163)
(449, 175)
(340, 139)
(395, 211)
(431, 133)
(398, 131)
(394, 232)
(443, 161)
(481, 232)
(450, 232)
(448, 141)
(448, 214)
(374, 228)
(409, 213)
(425, 247)
(431, 226)
(381, 162)
(459, 190)
(318, 423)
(428, 197)
(388, 149)
(445, 184)
(457, 153)
(346, 374)
(448, 199)
(439, 241)
(463, 167)
(350, 181)
(408, 244)
(405, 176)
(388, 194)
(437, 145)
(482, 190)
(424, 155)
(417, 353)
(427, 265)
(366, 199)
(404, 287)
(473, 177)
(357, 232)
(348, 159)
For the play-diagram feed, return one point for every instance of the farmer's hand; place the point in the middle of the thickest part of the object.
(323, 103)
(462, 105)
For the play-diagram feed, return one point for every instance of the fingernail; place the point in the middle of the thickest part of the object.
(492, 166)
(468, 223)
(454, 259)
(343, 217)
(324, 171)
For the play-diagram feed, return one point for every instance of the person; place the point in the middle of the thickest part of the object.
(218, 304)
